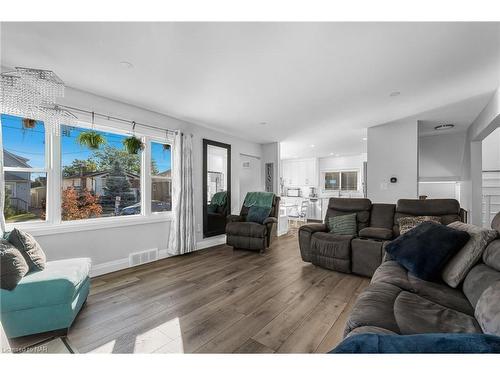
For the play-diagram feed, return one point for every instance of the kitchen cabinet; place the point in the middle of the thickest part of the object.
(300, 172)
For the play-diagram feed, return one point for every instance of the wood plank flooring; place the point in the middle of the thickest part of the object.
(217, 301)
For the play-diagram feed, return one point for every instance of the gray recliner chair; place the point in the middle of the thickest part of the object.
(328, 250)
(241, 234)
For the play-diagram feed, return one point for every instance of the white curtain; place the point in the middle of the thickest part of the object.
(2, 184)
(182, 231)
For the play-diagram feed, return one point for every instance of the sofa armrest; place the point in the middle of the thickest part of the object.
(376, 233)
(270, 220)
(313, 228)
(234, 218)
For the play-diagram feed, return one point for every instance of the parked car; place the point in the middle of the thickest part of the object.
(156, 206)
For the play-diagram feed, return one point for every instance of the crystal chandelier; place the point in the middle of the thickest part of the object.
(32, 94)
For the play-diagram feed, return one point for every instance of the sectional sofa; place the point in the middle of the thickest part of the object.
(398, 303)
(377, 223)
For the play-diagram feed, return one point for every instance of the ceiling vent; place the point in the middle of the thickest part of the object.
(444, 127)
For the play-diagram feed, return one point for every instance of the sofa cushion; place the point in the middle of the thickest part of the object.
(491, 255)
(343, 224)
(488, 310)
(246, 229)
(392, 273)
(332, 245)
(382, 215)
(370, 329)
(456, 269)
(415, 314)
(29, 247)
(13, 266)
(479, 278)
(378, 233)
(374, 307)
(422, 343)
(425, 249)
(409, 222)
(57, 284)
(343, 206)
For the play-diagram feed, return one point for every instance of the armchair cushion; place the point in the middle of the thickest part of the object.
(246, 229)
(378, 233)
(270, 220)
(234, 218)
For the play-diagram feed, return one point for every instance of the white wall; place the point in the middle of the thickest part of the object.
(491, 151)
(110, 246)
(393, 152)
(441, 157)
(271, 154)
(251, 176)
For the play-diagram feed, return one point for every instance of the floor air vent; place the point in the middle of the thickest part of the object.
(141, 257)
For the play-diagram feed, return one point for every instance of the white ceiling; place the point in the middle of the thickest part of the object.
(316, 84)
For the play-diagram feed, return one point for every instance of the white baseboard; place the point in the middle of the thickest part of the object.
(123, 263)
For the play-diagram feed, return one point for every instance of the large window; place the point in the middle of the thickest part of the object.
(161, 177)
(100, 182)
(82, 174)
(25, 169)
(340, 180)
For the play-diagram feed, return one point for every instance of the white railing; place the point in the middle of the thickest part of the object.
(491, 196)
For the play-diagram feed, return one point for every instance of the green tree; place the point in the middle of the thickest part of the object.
(108, 156)
(118, 185)
(78, 167)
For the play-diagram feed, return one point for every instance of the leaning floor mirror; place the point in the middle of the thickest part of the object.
(216, 187)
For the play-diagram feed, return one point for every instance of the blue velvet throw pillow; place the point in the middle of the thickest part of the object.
(258, 214)
(425, 249)
(450, 343)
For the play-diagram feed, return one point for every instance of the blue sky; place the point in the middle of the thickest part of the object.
(30, 143)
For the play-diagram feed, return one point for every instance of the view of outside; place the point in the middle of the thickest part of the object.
(161, 177)
(106, 181)
(24, 161)
(332, 181)
(345, 180)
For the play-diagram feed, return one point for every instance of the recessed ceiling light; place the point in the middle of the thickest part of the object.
(331, 153)
(364, 138)
(444, 127)
(263, 123)
(313, 146)
(126, 65)
(395, 93)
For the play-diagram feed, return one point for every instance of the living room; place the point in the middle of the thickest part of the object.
(254, 187)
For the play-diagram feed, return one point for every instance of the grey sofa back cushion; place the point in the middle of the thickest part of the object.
(487, 310)
(448, 210)
(491, 255)
(343, 206)
(382, 215)
(455, 271)
(479, 278)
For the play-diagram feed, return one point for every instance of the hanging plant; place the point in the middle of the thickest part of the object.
(91, 139)
(29, 123)
(133, 145)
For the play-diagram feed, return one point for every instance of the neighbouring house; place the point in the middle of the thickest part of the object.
(17, 184)
(161, 186)
(96, 181)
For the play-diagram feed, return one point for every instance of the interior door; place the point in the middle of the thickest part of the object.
(250, 176)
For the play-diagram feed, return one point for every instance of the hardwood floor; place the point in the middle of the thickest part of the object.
(218, 301)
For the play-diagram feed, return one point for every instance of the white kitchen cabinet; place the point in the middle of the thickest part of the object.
(300, 172)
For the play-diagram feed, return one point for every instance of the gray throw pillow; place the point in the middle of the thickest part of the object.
(344, 224)
(13, 266)
(487, 310)
(29, 248)
(457, 268)
(407, 223)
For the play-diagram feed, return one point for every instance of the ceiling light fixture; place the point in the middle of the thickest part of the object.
(444, 127)
(126, 65)
(263, 123)
(364, 138)
(395, 93)
(313, 146)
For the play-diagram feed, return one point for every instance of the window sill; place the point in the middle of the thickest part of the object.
(46, 229)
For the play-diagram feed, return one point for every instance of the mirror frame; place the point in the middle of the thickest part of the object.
(206, 143)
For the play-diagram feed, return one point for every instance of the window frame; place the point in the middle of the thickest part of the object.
(53, 168)
(163, 141)
(340, 172)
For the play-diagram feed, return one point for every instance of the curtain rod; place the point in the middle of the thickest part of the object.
(108, 117)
